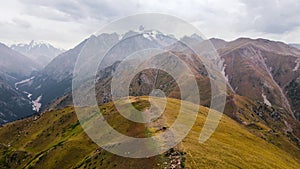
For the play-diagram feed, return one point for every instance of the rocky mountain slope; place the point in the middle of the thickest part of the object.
(261, 69)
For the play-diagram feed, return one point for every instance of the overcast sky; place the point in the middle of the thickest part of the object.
(65, 23)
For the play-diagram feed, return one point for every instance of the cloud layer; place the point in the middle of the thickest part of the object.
(66, 23)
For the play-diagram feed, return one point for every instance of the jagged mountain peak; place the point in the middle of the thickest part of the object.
(196, 36)
(34, 44)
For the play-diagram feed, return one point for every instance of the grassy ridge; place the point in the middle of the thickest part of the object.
(56, 140)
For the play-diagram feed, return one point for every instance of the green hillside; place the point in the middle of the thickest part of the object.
(56, 140)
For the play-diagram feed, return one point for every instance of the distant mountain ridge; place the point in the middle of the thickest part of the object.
(295, 45)
(39, 51)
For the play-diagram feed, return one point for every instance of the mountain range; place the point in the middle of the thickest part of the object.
(274, 65)
(262, 103)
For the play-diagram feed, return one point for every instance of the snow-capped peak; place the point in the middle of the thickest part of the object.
(152, 34)
(33, 44)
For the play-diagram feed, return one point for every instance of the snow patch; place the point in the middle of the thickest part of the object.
(154, 34)
(147, 36)
(224, 74)
(297, 64)
(39, 43)
(222, 66)
(23, 81)
(28, 95)
(266, 101)
(151, 35)
(121, 36)
(36, 105)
